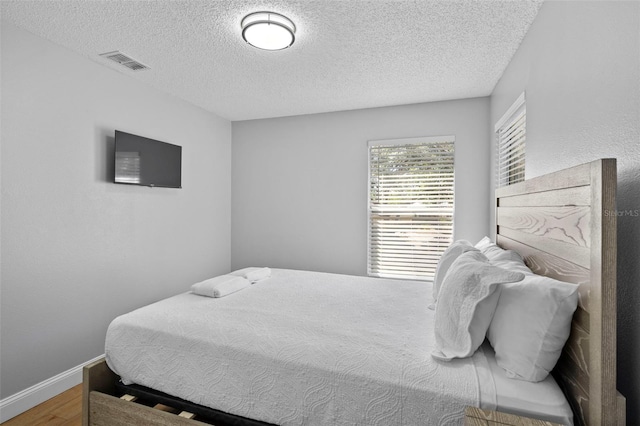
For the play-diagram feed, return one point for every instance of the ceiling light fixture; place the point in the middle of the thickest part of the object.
(268, 30)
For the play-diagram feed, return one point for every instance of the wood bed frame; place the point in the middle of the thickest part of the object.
(564, 225)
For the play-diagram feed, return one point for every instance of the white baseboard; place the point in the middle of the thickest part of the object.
(39, 393)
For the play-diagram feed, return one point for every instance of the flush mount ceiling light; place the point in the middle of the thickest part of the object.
(268, 30)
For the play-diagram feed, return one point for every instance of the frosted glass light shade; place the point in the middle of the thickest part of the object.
(268, 30)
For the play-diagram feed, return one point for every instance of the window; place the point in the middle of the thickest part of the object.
(510, 135)
(410, 206)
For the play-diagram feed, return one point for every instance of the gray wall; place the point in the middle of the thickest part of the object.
(580, 67)
(299, 184)
(78, 250)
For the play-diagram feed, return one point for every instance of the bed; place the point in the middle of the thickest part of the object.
(558, 223)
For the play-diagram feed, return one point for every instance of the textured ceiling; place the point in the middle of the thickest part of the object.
(347, 54)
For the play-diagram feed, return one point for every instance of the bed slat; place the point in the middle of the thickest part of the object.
(107, 410)
(567, 178)
(567, 224)
(476, 416)
(577, 196)
(574, 254)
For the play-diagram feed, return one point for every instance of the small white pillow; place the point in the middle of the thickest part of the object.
(220, 286)
(466, 304)
(446, 260)
(253, 273)
(531, 324)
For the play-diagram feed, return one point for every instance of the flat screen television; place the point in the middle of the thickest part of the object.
(147, 162)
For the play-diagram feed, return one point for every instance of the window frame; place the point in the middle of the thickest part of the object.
(399, 142)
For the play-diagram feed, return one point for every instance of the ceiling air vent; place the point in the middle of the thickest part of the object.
(125, 60)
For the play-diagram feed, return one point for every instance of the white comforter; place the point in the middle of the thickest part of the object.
(300, 348)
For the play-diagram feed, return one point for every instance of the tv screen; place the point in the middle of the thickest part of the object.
(147, 162)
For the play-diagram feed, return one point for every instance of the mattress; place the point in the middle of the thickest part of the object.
(542, 400)
(308, 348)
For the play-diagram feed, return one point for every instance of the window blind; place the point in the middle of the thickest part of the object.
(511, 136)
(410, 206)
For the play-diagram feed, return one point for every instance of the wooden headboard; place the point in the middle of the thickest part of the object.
(564, 226)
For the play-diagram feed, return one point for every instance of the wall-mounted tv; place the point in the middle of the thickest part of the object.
(147, 162)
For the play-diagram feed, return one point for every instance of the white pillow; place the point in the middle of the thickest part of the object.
(509, 259)
(531, 325)
(220, 286)
(446, 260)
(488, 248)
(466, 304)
(483, 243)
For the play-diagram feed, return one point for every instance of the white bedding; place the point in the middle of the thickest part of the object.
(543, 400)
(303, 348)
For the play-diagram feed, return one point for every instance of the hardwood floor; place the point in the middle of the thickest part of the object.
(61, 410)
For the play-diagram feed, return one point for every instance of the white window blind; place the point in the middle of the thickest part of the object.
(511, 136)
(410, 206)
